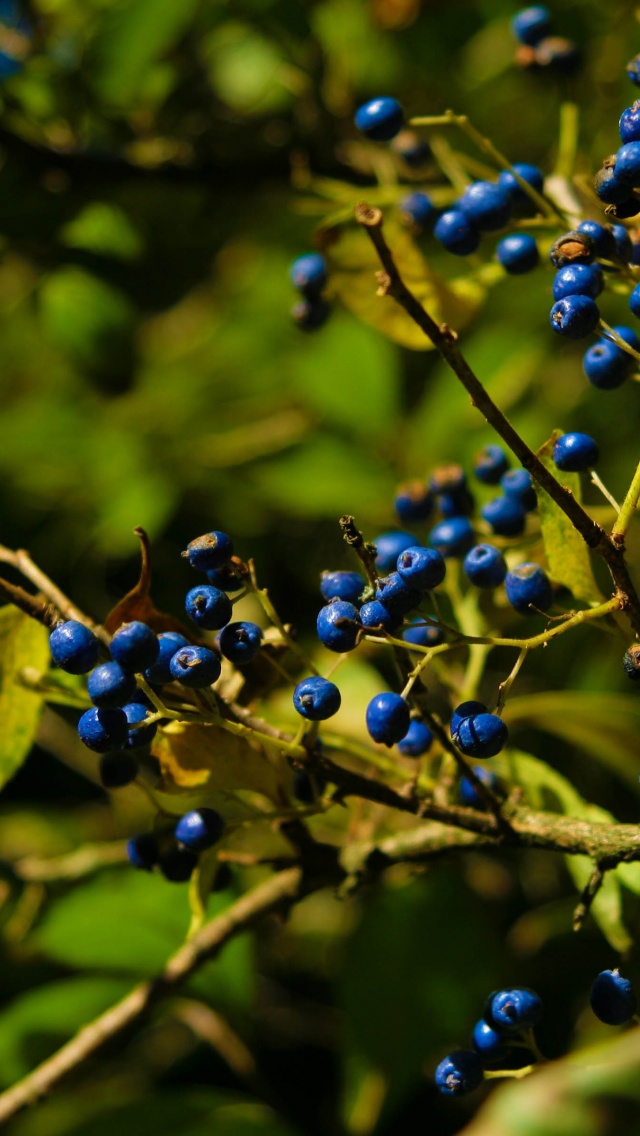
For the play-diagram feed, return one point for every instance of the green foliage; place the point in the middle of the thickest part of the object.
(566, 552)
(23, 643)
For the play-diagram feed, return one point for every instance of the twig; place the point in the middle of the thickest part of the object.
(25, 565)
(592, 887)
(356, 541)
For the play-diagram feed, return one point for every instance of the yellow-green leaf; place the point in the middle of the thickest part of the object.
(23, 643)
(210, 760)
(566, 552)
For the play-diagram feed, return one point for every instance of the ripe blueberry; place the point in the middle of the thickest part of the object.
(240, 642)
(417, 740)
(396, 593)
(338, 625)
(316, 698)
(459, 1073)
(389, 545)
(612, 998)
(633, 70)
(606, 365)
(528, 173)
(485, 566)
(142, 851)
(195, 666)
(487, 1042)
(309, 273)
(467, 791)
(602, 237)
(199, 829)
(74, 647)
(117, 770)
(374, 615)
(423, 634)
(575, 316)
(609, 187)
(481, 735)
(135, 646)
(208, 607)
(578, 279)
(486, 205)
(310, 313)
(518, 253)
(528, 589)
(517, 483)
(513, 1009)
(177, 863)
(103, 729)
(110, 685)
(627, 167)
(411, 148)
(417, 209)
(209, 551)
(456, 232)
(380, 119)
(421, 568)
(531, 25)
(135, 713)
(387, 718)
(347, 586)
(465, 710)
(453, 538)
(505, 515)
(575, 452)
(490, 464)
(413, 502)
(168, 643)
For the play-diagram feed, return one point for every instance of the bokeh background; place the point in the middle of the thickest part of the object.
(151, 375)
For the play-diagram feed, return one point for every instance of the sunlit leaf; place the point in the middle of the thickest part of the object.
(208, 757)
(103, 228)
(566, 551)
(133, 35)
(23, 643)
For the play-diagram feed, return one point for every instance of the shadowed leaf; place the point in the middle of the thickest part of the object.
(566, 552)
(23, 643)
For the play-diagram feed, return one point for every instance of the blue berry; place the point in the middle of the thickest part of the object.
(240, 642)
(609, 187)
(423, 634)
(411, 148)
(396, 593)
(135, 646)
(389, 546)
(629, 124)
(456, 233)
(168, 643)
(467, 791)
(449, 483)
(224, 578)
(210, 551)
(177, 863)
(347, 586)
(634, 301)
(421, 568)
(531, 25)
(487, 1042)
(481, 735)
(453, 538)
(528, 589)
(528, 173)
(633, 70)
(602, 237)
(418, 209)
(207, 606)
(485, 566)
(374, 614)
(142, 851)
(624, 248)
(486, 204)
(606, 365)
(578, 279)
(518, 253)
(310, 313)
(135, 713)
(103, 729)
(505, 515)
(517, 483)
(199, 829)
(513, 1009)
(612, 998)
(110, 685)
(574, 247)
(195, 666)
(631, 662)
(117, 770)
(309, 274)
(459, 1073)
(74, 647)
(307, 787)
(413, 501)
(338, 625)
(465, 710)
(316, 698)
(490, 464)
(575, 452)
(627, 167)
(380, 119)
(417, 740)
(575, 316)
(629, 336)
(387, 718)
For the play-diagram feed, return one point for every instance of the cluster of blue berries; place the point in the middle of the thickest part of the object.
(509, 1016)
(175, 851)
(538, 47)
(308, 274)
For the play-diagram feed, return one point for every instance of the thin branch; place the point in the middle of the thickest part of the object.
(21, 561)
(355, 540)
(592, 887)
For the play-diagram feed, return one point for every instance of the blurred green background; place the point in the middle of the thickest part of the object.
(151, 375)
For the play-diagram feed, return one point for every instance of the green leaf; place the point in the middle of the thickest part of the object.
(103, 228)
(249, 72)
(87, 317)
(191, 1112)
(23, 643)
(566, 551)
(134, 34)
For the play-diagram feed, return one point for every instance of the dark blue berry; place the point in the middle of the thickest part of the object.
(513, 1009)
(110, 685)
(307, 787)
(485, 566)
(528, 173)
(602, 237)
(423, 634)
(396, 593)
(421, 568)
(486, 204)
(210, 551)
(347, 586)
(465, 710)
(117, 770)
(609, 187)
(528, 589)
(629, 124)
(177, 863)
(103, 729)
(413, 502)
(558, 53)
(517, 483)
(612, 998)
(225, 579)
(374, 614)
(417, 740)
(418, 209)
(518, 253)
(578, 279)
(168, 643)
(309, 273)
(633, 70)
(338, 625)
(624, 249)
(447, 479)
(627, 167)
(199, 829)
(467, 792)
(490, 464)
(575, 452)
(459, 1073)
(449, 483)
(481, 735)
(634, 300)
(575, 247)
(387, 718)
(310, 313)
(135, 646)
(195, 666)
(487, 1042)
(628, 335)
(316, 698)
(142, 851)
(74, 647)
(575, 316)
(606, 365)
(380, 119)
(531, 25)
(456, 233)
(207, 606)
(411, 148)
(240, 642)
(137, 712)
(453, 538)
(389, 545)
(505, 515)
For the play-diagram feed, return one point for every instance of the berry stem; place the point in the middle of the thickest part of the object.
(599, 484)
(516, 1074)
(619, 341)
(264, 600)
(627, 510)
(507, 683)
